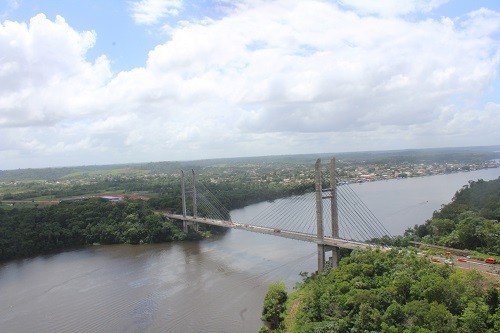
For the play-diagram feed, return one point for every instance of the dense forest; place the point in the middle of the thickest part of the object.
(25, 232)
(30, 231)
(388, 292)
(470, 221)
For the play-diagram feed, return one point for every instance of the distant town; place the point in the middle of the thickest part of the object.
(364, 173)
(268, 174)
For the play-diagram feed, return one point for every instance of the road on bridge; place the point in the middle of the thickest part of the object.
(312, 238)
(464, 263)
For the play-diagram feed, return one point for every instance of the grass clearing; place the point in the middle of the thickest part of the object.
(104, 173)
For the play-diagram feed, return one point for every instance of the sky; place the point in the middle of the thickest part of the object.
(91, 82)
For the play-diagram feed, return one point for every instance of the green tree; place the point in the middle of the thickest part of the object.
(470, 221)
(274, 305)
(492, 299)
(440, 227)
(393, 291)
(475, 318)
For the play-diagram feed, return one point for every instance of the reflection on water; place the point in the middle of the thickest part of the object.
(214, 285)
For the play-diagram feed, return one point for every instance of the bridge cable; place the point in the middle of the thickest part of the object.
(283, 215)
(214, 201)
(361, 211)
(207, 205)
(362, 226)
(343, 205)
(352, 220)
(279, 214)
(366, 211)
(221, 208)
(204, 192)
(344, 230)
(370, 213)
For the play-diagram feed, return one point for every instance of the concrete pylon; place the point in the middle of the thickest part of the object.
(334, 209)
(319, 215)
(183, 190)
(195, 206)
(322, 248)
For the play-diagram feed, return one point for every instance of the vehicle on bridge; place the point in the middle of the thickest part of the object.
(277, 230)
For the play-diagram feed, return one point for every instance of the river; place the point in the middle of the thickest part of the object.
(213, 285)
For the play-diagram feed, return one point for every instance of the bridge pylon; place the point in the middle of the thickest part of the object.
(325, 244)
(185, 222)
(322, 247)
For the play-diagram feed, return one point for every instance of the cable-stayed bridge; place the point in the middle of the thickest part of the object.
(333, 216)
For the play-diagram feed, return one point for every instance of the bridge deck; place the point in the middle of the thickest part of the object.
(329, 241)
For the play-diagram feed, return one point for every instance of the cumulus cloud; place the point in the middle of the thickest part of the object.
(392, 7)
(150, 12)
(271, 77)
(310, 71)
(44, 76)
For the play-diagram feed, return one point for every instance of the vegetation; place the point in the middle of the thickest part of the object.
(470, 221)
(32, 220)
(26, 232)
(274, 306)
(271, 173)
(389, 292)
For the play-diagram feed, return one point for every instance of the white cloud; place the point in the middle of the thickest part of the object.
(272, 77)
(309, 71)
(392, 7)
(44, 77)
(150, 12)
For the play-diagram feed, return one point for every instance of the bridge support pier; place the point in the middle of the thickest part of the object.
(186, 224)
(333, 261)
(321, 257)
(335, 255)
